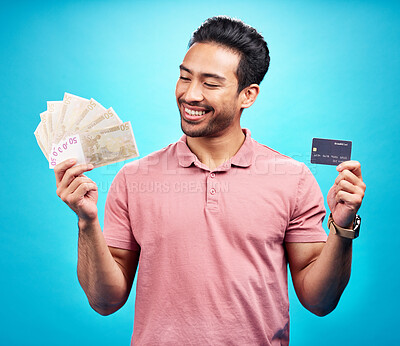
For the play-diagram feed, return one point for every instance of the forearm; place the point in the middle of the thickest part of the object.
(98, 273)
(325, 279)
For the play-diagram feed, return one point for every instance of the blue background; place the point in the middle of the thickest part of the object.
(334, 74)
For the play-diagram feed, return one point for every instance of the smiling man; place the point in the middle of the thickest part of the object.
(213, 220)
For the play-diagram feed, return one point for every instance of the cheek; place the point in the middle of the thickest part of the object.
(223, 102)
(179, 89)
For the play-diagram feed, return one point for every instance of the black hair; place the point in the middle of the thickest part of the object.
(241, 38)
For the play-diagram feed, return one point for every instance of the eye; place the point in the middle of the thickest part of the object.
(211, 85)
(183, 78)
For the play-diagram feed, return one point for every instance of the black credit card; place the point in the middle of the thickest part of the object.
(330, 151)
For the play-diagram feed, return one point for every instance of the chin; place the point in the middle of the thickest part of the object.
(200, 131)
(192, 130)
(207, 128)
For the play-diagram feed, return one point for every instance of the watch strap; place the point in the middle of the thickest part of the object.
(345, 232)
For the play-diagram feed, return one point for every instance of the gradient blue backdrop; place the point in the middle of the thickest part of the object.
(334, 73)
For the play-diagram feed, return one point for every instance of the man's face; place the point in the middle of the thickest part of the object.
(206, 91)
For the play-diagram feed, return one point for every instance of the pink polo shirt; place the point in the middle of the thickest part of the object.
(212, 267)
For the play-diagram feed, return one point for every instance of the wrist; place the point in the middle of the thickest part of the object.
(87, 223)
(350, 232)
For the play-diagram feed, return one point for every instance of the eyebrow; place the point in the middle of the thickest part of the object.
(207, 75)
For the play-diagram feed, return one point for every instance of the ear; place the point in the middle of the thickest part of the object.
(249, 94)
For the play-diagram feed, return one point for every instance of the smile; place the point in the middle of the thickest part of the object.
(192, 112)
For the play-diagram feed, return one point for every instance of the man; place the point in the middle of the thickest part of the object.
(213, 219)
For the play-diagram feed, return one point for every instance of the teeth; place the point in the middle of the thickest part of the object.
(191, 112)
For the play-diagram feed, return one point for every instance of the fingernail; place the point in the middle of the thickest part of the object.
(90, 166)
(71, 160)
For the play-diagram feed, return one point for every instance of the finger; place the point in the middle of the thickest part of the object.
(59, 170)
(346, 186)
(75, 184)
(353, 201)
(350, 177)
(64, 191)
(81, 191)
(353, 166)
(73, 172)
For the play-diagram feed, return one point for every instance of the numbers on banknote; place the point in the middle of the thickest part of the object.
(108, 114)
(91, 105)
(124, 127)
(65, 145)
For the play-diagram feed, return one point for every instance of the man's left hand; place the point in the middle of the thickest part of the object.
(346, 194)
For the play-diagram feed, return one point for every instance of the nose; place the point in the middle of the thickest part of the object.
(194, 92)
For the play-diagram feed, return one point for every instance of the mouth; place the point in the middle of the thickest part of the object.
(194, 114)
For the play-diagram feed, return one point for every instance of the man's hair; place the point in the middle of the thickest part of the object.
(241, 38)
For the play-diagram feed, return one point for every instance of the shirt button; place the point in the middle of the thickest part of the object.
(212, 175)
(213, 191)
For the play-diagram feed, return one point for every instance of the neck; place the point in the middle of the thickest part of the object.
(214, 151)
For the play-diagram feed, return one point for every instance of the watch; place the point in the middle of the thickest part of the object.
(345, 232)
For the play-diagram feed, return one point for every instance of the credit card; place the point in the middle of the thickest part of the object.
(330, 151)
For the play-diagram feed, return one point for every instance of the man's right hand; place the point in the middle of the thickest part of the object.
(77, 190)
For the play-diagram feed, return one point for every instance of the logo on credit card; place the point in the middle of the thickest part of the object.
(330, 151)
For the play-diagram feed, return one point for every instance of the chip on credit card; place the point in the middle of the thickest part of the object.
(330, 151)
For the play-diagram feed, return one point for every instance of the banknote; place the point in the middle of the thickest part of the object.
(107, 119)
(97, 147)
(90, 113)
(44, 131)
(53, 113)
(84, 129)
(39, 134)
(71, 109)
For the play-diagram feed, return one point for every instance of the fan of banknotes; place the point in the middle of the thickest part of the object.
(83, 129)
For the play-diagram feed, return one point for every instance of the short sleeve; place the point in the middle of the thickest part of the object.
(305, 223)
(117, 229)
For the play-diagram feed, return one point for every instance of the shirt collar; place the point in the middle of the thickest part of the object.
(243, 158)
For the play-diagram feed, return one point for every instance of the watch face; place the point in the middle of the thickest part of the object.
(357, 222)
